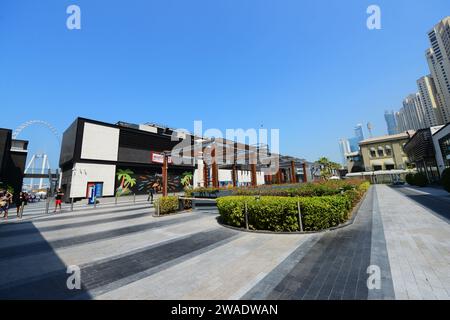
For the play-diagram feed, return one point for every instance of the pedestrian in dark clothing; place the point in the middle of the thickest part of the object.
(21, 201)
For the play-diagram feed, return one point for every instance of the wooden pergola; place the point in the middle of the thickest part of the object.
(216, 154)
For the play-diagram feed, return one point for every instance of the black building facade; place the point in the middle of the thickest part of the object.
(122, 158)
(13, 157)
(421, 151)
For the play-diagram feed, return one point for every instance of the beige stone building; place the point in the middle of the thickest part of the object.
(385, 152)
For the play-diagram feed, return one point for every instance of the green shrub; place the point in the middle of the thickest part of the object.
(363, 187)
(416, 179)
(410, 178)
(281, 213)
(167, 204)
(445, 179)
(420, 179)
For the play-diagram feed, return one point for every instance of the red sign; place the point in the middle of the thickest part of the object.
(159, 158)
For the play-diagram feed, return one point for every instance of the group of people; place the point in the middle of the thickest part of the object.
(21, 200)
(7, 199)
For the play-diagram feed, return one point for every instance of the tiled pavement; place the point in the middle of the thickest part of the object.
(126, 253)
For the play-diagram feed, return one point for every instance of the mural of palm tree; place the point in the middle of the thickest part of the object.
(186, 179)
(125, 180)
(129, 182)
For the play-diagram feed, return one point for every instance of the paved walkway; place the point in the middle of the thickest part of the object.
(126, 253)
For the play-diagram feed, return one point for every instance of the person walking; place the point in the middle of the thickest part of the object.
(21, 202)
(5, 201)
(58, 200)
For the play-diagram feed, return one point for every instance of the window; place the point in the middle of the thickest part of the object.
(377, 168)
(388, 152)
(380, 152)
(390, 167)
(373, 154)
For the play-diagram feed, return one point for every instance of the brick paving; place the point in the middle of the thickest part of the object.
(126, 253)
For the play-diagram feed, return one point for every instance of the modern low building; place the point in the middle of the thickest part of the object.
(441, 142)
(13, 157)
(421, 152)
(385, 152)
(123, 157)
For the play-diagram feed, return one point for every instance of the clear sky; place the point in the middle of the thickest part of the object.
(309, 68)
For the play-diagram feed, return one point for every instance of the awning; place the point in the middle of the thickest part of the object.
(388, 147)
(380, 148)
(373, 149)
(376, 163)
(389, 162)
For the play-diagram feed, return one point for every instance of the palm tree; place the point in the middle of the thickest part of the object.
(327, 167)
(186, 179)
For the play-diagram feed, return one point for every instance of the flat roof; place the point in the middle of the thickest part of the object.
(398, 136)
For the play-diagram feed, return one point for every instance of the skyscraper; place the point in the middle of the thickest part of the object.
(401, 120)
(391, 122)
(347, 146)
(428, 98)
(438, 58)
(344, 148)
(359, 134)
(412, 113)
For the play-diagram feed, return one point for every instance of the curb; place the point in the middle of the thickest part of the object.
(171, 214)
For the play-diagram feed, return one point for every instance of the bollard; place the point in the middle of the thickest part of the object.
(47, 205)
(95, 203)
(134, 198)
(115, 200)
(21, 209)
(246, 216)
(71, 204)
(300, 223)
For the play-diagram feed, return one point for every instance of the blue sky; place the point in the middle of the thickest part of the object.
(309, 68)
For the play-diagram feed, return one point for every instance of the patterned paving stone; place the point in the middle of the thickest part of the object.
(42, 246)
(53, 286)
(335, 267)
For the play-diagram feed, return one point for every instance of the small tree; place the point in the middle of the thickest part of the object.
(327, 167)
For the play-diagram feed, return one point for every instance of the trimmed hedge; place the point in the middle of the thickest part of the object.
(280, 214)
(167, 204)
(445, 179)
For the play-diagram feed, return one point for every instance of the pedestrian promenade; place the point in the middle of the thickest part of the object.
(124, 252)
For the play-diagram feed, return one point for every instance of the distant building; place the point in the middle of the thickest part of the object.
(428, 98)
(354, 162)
(359, 134)
(385, 152)
(344, 148)
(438, 58)
(391, 122)
(351, 145)
(413, 114)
